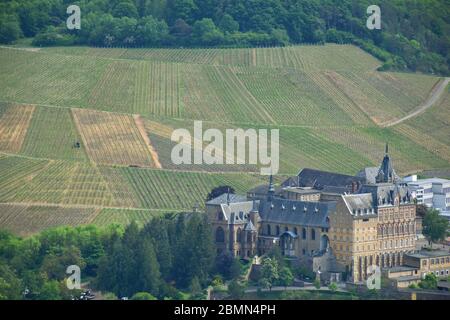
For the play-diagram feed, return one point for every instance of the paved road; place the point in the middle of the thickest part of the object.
(432, 99)
(307, 288)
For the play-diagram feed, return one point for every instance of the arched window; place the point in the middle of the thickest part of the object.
(269, 232)
(220, 235)
(304, 233)
(249, 238)
(313, 234)
(239, 235)
(278, 230)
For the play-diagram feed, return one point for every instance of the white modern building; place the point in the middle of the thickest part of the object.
(433, 192)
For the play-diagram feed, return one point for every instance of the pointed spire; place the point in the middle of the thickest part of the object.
(271, 186)
(271, 190)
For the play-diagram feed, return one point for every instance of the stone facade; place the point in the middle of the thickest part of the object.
(343, 226)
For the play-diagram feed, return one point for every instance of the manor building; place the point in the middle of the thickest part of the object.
(330, 222)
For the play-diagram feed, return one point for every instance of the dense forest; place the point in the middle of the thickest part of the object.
(168, 258)
(414, 34)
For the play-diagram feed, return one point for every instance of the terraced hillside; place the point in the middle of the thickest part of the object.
(85, 133)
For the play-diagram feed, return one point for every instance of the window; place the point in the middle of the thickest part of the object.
(278, 230)
(219, 216)
(268, 230)
(239, 235)
(313, 234)
(295, 231)
(304, 233)
(220, 235)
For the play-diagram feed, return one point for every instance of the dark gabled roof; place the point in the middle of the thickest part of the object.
(386, 193)
(319, 179)
(360, 205)
(293, 212)
(262, 189)
(369, 173)
(290, 182)
(223, 198)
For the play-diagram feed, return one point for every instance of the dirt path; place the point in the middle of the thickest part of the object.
(141, 128)
(434, 96)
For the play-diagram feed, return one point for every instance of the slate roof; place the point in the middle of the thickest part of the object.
(223, 199)
(369, 174)
(385, 193)
(263, 189)
(429, 254)
(293, 212)
(360, 205)
(236, 212)
(319, 179)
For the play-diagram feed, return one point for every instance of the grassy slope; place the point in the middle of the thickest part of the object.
(323, 100)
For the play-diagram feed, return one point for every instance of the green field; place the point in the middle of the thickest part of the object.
(52, 134)
(328, 102)
(75, 183)
(311, 86)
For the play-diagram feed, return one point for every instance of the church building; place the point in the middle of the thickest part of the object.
(333, 223)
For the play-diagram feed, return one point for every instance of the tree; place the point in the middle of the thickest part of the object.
(434, 226)
(333, 286)
(54, 265)
(206, 32)
(430, 282)
(223, 264)
(269, 273)
(218, 191)
(143, 296)
(235, 269)
(151, 31)
(181, 9)
(157, 232)
(228, 24)
(50, 291)
(286, 277)
(125, 9)
(317, 284)
(195, 288)
(236, 290)
(180, 28)
(195, 252)
(148, 266)
(10, 284)
(9, 29)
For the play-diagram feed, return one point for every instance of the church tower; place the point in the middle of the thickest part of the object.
(386, 172)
